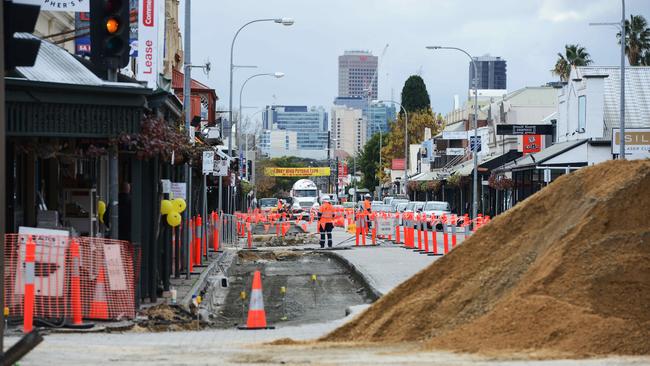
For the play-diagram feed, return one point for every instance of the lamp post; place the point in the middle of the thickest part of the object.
(406, 138)
(474, 152)
(621, 111)
(283, 21)
(276, 75)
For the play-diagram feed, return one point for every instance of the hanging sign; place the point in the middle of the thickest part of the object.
(148, 50)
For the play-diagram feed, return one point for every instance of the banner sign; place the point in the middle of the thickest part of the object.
(148, 44)
(298, 172)
(114, 267)
(51, 249)
(637, 142)
(524, 129)
(454, 135)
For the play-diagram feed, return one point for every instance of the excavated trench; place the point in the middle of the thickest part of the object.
(299, 287)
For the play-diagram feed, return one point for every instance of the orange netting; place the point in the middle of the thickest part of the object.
(104, 269)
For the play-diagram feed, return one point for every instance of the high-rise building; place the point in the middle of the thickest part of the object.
(277, 143)
(376, 118)
(356, 70)
(348, 130)
(310, 124)
(491, 72)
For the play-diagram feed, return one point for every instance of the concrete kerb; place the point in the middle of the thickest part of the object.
(201, 282)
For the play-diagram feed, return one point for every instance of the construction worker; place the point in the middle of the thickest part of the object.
(326, 223)
(367, 210)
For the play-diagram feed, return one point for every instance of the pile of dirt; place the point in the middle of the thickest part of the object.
(266, 255)
(166, 318)
(564, 273)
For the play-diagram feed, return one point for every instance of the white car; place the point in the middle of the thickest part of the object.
(437, 208)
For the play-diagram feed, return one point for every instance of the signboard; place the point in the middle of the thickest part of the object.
(637, 142)
(221, 168)
(179, 190)
(455, 151)
(51, 249)
(298, 172)
(208, 162)
(454, 135)
(547, 175)
(524, 129)
(166, 186)
(149, 53)
(397, 164)
(385, 226)
(475, 143)
(114, 267)
(531, 143)
(65, 5)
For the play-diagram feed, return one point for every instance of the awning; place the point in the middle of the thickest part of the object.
(428, 176)
(531, 160)
(495, 161)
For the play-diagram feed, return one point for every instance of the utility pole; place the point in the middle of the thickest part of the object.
(622, 100)
(188, 116)
(3, 177)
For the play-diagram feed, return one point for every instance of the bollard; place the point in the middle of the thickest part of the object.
(75, 283)
(445, 238)
(215, 231)
(28, 280)
(199, 239)
(426, 234)
(192, 241)
(453, 231)
(250, 238)
(357, 230)
(418, 224)
(434, 238)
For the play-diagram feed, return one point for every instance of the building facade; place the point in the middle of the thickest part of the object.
(310, 124)
(277, 143)
(491, 72)
(356, 70)
(60, 25)
(348, 130)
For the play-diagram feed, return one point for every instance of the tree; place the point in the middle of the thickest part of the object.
(275, 186)
(368, 162)
(637, 39)
(574, 55)
(414, 95)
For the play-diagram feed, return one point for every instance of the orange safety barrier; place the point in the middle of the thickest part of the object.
(73, 278)
(29, 270)
(453, 231)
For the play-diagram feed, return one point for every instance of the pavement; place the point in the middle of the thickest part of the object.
(383, 267)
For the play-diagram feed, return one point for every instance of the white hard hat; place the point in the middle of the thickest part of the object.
(367, 195)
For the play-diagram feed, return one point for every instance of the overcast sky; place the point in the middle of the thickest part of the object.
(527, 33)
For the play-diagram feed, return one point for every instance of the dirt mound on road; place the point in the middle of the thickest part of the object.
(566, 272)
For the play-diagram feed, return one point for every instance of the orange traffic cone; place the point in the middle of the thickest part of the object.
(99, 305)
(256, 314)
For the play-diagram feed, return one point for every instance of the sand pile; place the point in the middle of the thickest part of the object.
(564, 273)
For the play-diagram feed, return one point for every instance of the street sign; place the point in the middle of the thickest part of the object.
(547, 175)
(179, 190)
(637, 142)
(166, 186)
(208, 162)
(385, 226)
(455, 151)
(221, 168)
(475, 143)
(524, 129)
(454, 135)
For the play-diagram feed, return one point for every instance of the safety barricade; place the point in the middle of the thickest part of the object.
(61, 279)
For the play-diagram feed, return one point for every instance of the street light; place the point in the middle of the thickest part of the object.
(283, 21)
(621, 110)
(474, 153)
(276, 75)
(406, 138)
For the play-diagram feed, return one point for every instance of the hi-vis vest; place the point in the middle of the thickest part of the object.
(327, 213)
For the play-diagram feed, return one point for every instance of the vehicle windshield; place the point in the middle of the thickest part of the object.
(305, 193)
(268, 202)
(410, 206)
(436, 206)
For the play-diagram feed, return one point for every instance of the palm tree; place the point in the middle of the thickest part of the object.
(574, 55)
(645, 60)
(637, 38)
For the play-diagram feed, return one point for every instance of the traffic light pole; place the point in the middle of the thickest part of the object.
(3, 147)
(188, 116)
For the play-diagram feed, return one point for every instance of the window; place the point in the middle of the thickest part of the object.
(582, 113)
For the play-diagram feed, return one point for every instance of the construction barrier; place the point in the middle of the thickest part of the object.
(57, 278)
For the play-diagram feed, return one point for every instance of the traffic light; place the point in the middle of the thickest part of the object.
(20, 18)
(109, 33)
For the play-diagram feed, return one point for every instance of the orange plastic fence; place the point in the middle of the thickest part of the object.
(99, 272)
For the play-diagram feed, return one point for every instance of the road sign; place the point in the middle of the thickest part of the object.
(179, 190)
(385, 226)
(208, 162)
(524, 129)
(637, 142)
(475, 143)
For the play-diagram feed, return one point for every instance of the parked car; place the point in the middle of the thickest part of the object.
(414, 206)
(437, 208)
(268, 205)
(395, 201)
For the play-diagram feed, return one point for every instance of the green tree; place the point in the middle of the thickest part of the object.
(414, 95)
(574, 55)
(637, 39)
(368, 162)
(267, 186)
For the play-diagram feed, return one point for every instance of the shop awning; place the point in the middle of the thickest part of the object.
(428, 176)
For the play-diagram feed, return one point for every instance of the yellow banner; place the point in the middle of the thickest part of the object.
(297, 172)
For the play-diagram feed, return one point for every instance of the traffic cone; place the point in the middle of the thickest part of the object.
(256, 315)
(99, 305)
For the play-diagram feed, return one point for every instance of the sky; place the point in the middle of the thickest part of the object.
(526, 33)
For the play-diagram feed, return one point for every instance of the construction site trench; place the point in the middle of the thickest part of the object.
(299, 287)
